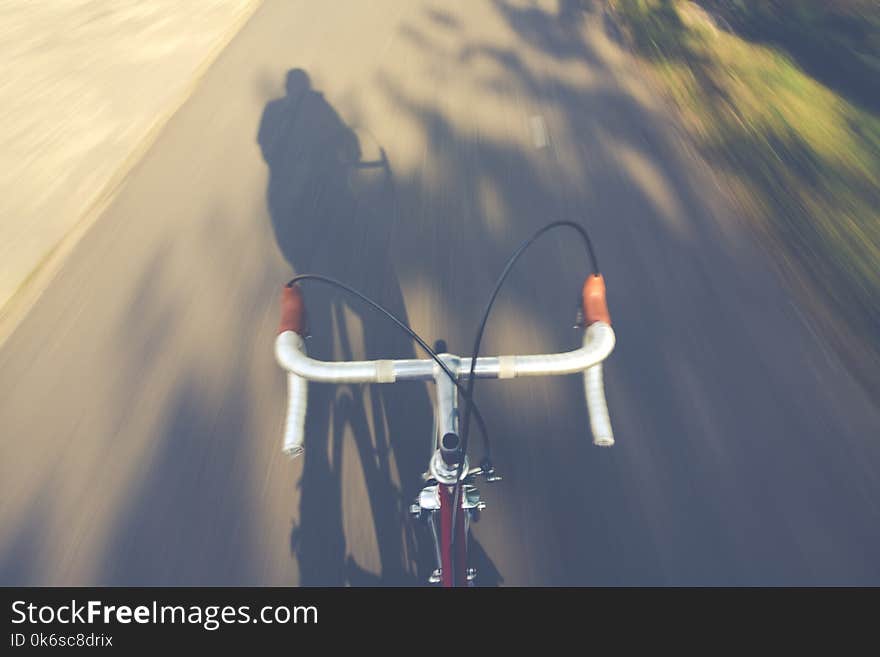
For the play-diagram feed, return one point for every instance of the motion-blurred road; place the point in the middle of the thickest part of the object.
(141, 407)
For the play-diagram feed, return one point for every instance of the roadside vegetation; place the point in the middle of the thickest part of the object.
(783, 96)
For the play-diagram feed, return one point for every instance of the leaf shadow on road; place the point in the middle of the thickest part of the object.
(713, 481)
(642, 513)
(189, 518)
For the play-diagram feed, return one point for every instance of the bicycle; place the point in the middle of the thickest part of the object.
(449, 483)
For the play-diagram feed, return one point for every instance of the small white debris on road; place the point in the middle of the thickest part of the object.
(539, 131)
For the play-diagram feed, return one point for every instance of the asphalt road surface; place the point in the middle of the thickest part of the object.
(408, 147)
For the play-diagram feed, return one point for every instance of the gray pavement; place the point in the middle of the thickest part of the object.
(141, 408)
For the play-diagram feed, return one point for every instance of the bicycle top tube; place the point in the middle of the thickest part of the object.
(290, 351)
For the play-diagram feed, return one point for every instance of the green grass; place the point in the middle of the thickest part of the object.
(802, 151)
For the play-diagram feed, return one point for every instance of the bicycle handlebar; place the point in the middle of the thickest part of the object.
(291, 354)
(295, 422)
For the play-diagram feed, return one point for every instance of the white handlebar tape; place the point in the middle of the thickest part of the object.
(600, 423)
(506, 367)
(295, 424)
(385, 371)
(297, 401)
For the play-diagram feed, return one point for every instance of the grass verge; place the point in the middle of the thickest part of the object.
(794, 128)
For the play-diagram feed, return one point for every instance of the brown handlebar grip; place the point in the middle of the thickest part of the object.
(595, 304)
(293, 310)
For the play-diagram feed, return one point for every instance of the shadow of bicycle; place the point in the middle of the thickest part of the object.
(333, 203)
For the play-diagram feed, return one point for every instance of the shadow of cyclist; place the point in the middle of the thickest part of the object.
(306, 146)
(332, 208)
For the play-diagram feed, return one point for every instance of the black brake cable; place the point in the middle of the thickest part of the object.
(469, 395)
(415, 336)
